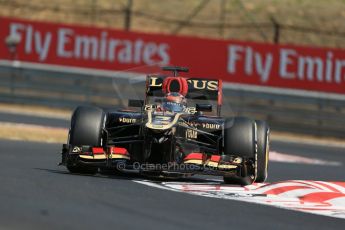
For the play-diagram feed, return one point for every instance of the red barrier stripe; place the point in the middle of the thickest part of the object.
(231, 60)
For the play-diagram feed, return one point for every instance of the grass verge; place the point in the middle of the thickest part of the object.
(36, 133)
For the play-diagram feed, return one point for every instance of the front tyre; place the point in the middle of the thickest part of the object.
(86, 129)
(239, 139)
(263, 133)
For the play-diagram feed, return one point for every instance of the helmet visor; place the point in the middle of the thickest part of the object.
(173, 107)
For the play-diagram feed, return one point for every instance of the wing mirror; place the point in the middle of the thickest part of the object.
(203, 107)
(135, 103)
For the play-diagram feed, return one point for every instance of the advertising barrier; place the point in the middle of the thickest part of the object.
(260, 64)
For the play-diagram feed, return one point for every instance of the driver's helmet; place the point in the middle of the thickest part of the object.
(174, 102)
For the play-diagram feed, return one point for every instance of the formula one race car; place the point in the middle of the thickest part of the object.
(177, 132)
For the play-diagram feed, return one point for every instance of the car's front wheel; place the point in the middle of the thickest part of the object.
(239, 140)
(263, 133)
(86, 129)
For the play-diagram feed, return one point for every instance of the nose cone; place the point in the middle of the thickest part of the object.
(160, 123)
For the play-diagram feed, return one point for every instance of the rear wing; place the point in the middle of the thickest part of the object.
(198, 88)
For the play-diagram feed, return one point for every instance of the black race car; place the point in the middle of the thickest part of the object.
(176, 131)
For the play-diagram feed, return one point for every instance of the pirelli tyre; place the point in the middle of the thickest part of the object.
(86, 129)
(263, 146)
(239, 139)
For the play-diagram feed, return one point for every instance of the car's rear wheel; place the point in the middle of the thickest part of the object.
(86, 129)
(263, 151)
(239, 139)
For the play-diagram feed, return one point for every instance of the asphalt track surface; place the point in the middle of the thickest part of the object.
(35, 193)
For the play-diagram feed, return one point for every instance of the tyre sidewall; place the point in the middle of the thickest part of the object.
(263, 151)
(239, 137)
(86, 126)
(240, 140)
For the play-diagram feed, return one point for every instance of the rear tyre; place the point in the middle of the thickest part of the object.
(86, 129)
(263, 151)
(239, 139)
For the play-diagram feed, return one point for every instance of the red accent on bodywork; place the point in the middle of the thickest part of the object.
(215, 158)
(118, 150)
(97, 150)
(181, 81)
(194, 156)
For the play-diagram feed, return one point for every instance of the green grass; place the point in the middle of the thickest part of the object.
(148, 16)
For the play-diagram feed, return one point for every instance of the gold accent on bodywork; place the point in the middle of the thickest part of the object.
(212, 164)
(118, 156)
(103, 157)
(95, 157)
(161, 126)
(199, 162)
(210, 126)
(237, 160)
(203, 84)
(191, 134)
(127, 120)
(225, 166)
(153, 82)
